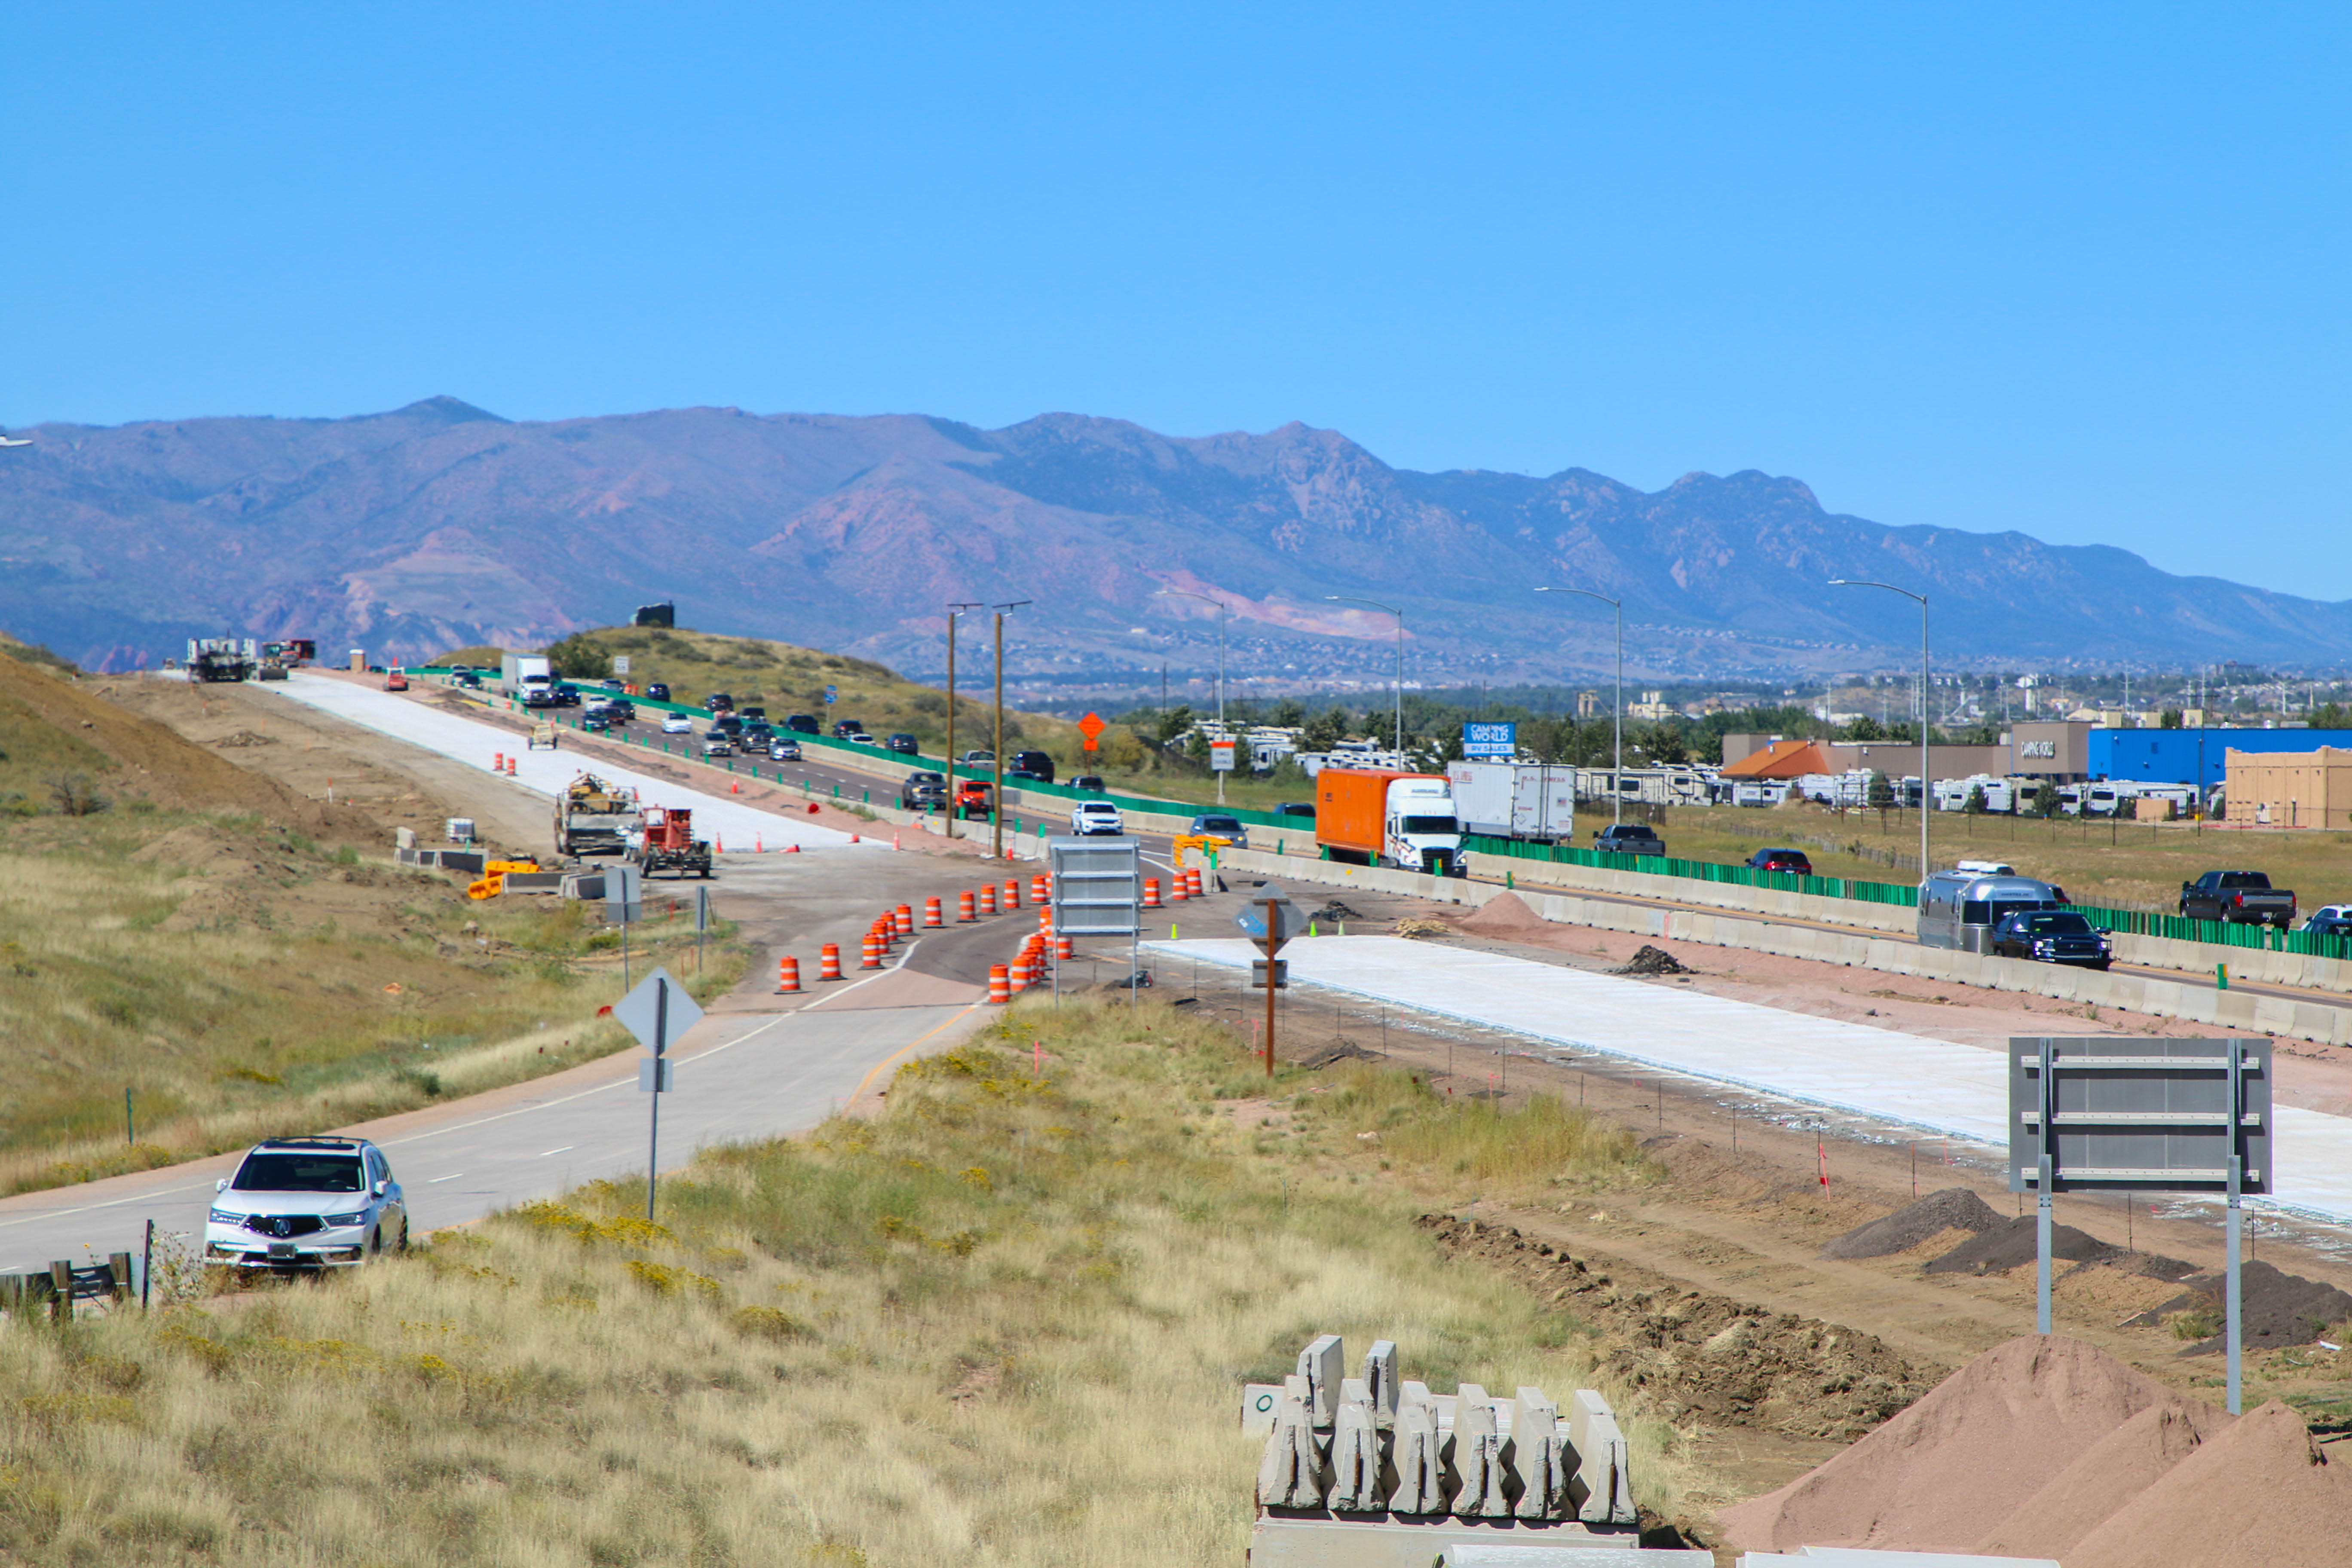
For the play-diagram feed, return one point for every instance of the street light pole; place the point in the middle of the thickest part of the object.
(1222, 616)
(954, 611)
(1340, 599)
(1926, 781)
(1617, 721)
(996, 789)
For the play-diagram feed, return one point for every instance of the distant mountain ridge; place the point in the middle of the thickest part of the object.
(441, 524)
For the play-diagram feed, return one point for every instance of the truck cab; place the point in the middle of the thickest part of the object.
(1376, 816)
(1423, 832)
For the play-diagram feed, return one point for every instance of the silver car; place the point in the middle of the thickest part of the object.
(306, 1203)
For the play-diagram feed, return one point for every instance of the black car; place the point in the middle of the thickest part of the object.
(2053, 936)
(1091, 783)
(802, 723)
(922, 791)
(726, 724)
(658, 691)
(1792, 861)
(756, 735)
(567, 695)
(1017, 774)
(719, 703)
(1037, 764)
(1629, 838)
(598, 720)
(845, 728)
(752, 714)
(470, 681)
(1305, 808)
(901, 742)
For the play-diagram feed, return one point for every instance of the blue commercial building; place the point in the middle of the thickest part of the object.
(2190, 756)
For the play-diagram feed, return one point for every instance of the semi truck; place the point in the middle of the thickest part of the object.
(528, 678)
(1378, 816)
(1514, 800)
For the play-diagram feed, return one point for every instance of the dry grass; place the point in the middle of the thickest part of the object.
(243, 982)
(1004, 1323)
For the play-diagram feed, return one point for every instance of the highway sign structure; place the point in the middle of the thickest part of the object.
(658, 1011)
(2140, 1115)
(1098, 891)
(1493, 739)
(1270, 921)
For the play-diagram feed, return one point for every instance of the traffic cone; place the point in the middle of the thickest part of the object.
(931, 921)
(788, 975)
(967, 908)
(758, 845)
(999, 985)
(894, 841)
(828, 962)
(906, 921)
(1151, 892)
(735, 788)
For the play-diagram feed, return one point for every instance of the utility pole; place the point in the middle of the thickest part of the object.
(953, 612)
(996, 791)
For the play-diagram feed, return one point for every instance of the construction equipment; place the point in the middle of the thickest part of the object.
(216, 660)
(665, 842)
(493, 880)
(592, 817)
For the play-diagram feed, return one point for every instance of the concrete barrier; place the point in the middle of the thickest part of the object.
(2237, 1010)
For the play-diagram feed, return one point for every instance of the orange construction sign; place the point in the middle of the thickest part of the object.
(1092, 726)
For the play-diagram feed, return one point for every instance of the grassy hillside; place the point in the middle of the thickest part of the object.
(238, 957)
(1008, 1323)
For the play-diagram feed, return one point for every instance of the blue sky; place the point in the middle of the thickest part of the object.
(2080, 271)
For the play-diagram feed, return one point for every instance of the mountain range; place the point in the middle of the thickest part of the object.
(440, 524)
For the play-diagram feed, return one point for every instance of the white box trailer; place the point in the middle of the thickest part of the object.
(1514, 800)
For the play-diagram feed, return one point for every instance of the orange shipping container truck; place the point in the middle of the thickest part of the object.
(1377, 816)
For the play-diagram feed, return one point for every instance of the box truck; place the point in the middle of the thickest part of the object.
(1377, 816)
(528, 678)
(1514, 800)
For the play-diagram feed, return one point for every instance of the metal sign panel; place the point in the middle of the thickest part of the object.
(620, 665)
(658, 1011)
(1492, 740)
(1097, 886)
(2139, 1114)
(623, 894)
(1289, 920)
(1220, 756)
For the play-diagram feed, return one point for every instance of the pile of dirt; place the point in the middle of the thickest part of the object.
(2275, 1309)
(1969, 1455)
(2260, 1494)
(1954, 1208)
(1334, 913)
(1702, 1358)
(240, 738)
(2124, 1463)
(1653, 961)
(1421, 928)
(1506, 915)
(2011, 1242)
(1342, 1051)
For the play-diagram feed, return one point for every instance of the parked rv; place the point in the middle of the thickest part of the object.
(1960, 908)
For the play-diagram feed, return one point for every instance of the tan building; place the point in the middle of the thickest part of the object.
(2290, 789)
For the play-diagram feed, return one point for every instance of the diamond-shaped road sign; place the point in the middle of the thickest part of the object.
(1288, 921)
(1092, 726)
(657, 1012)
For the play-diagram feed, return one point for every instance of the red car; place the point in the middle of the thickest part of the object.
(396, 682)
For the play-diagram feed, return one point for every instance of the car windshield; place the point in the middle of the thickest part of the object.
(1431, 825)
(290, 1173)
(2053, 925)
(924, 778)
(1218, 825)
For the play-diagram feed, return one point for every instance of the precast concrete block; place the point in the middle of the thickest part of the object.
(1355, 1459)
(1290, 1472)
(1381, 1377)
(1323, 1363)
(1601, 1486)
(1478, 1458)
(1419, 1467)
(1259, 1401)
(1537, 1456)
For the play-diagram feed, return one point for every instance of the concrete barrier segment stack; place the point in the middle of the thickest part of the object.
(1356, 1467)
(1601, 1487)
(1536, 1457)
(1415, 1451)
(1478, 1457)
(1290, 1473)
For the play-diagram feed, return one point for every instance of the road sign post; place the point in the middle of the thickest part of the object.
(1270, 922)
(657, 1012)
(2140, 1115)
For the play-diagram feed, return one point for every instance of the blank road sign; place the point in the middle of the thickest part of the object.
(2140, 1115)
(638, 1011)
(1097, 886)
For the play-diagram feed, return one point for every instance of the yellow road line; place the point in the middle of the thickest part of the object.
(860, 1093)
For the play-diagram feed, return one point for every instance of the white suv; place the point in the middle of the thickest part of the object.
(306, 1203)
(1092, 816)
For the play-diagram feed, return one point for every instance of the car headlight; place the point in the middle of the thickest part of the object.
(226, 1216)
(348, 1219)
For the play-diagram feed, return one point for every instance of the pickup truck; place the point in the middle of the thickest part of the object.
(1628, 838)
(2241, 898)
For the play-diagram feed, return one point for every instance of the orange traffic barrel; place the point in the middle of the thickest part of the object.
(1151, 892)
(1037, 889)
(1012, 893)
(931, 918)
(828, 963)
(1176, 893)
(1194, 877)
(906, 917)
(871, 953)
(966, 907)
(1021, 973)
(1000, 984)
(1064, 946)
(497, 762)
(788, 976)
(988, 898)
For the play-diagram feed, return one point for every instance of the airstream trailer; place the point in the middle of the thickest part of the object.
(1959, 908)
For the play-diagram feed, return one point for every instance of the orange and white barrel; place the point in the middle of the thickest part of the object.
(988, 898)
(870, 956)
(906, 917)
(828, 962)
(788, 975)
(933, 919)
(966, 907)
(1011, 894)
(1176, 893)
(1037, 889)
(1151, 892)
(1000, 984)
(1020, 974)
(1066, 946)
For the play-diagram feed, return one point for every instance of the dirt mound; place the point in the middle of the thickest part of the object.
(241, 738)
(1343, 1051)
(2261, 1494)
(1941, 1474)
(2275, 1309)
(1505, 915)
(50, 726)
(1651, 960)
(2119, 1466)
(1704, 1357)
(1333, 913)
(2010, 1241)
(1954, 1208)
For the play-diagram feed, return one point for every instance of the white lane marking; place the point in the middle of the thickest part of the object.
(435, 1181)
(567, 1149)
(869, 979)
